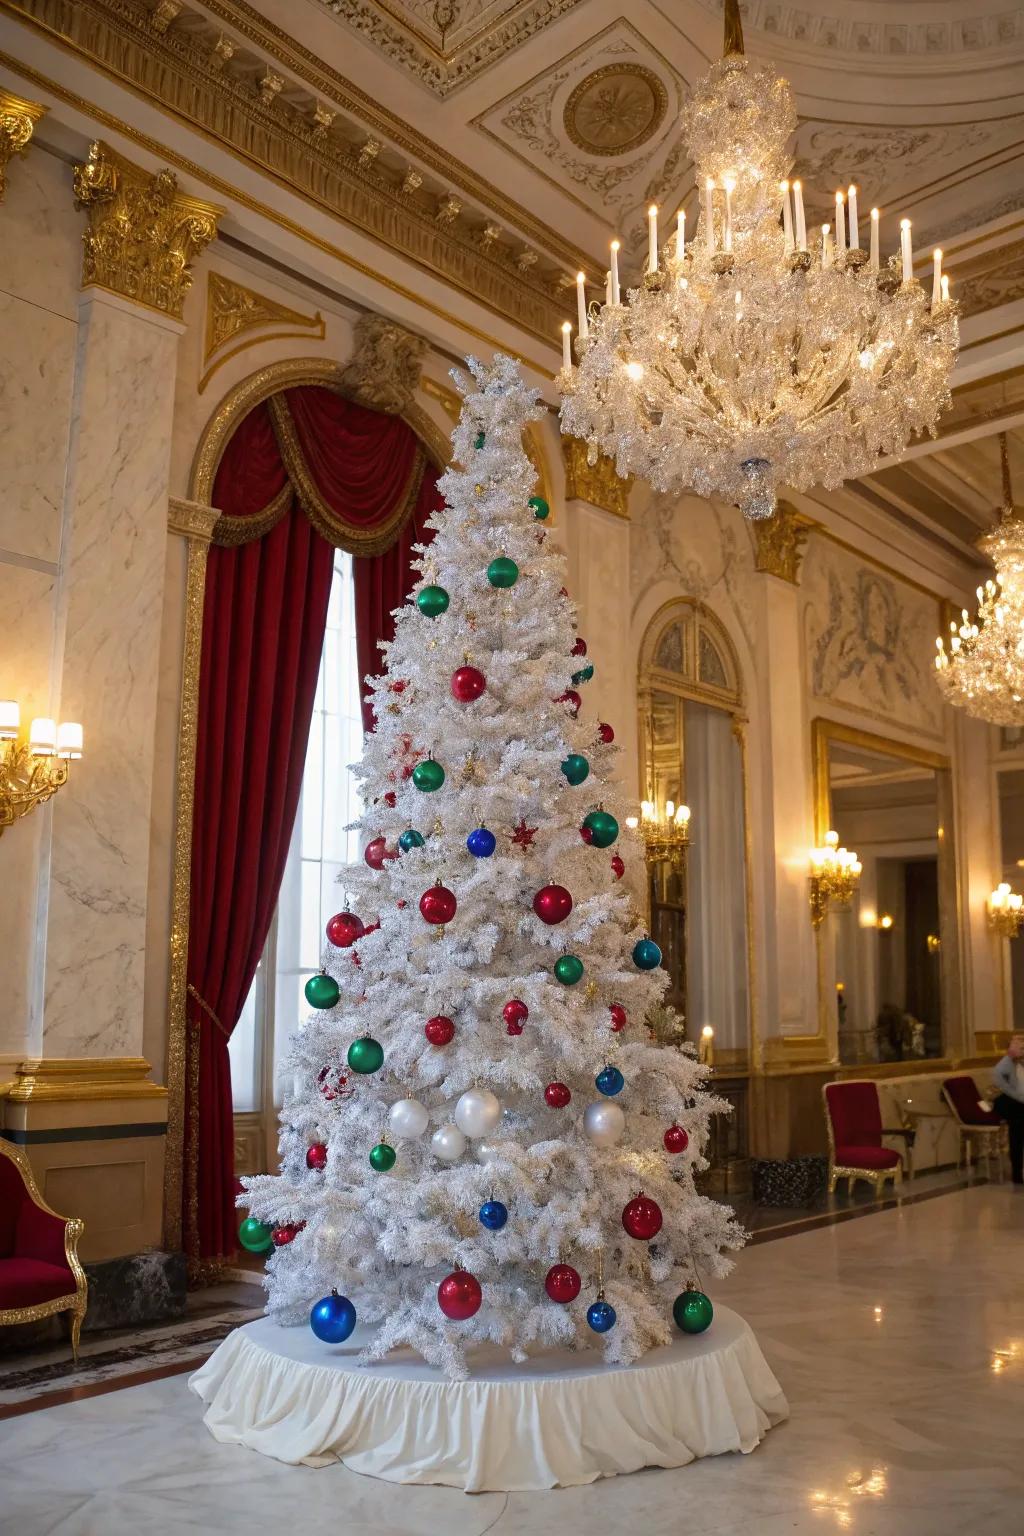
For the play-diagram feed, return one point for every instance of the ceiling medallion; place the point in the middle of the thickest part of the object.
(751, 358)
(615, 109)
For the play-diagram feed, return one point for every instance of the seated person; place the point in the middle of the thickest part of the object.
(1009, 1102)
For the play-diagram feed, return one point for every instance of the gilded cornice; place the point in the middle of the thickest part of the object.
(779, 542)
(292, 136)
(597, 483)
(143, 234)
(18, 119)
(66, 1078)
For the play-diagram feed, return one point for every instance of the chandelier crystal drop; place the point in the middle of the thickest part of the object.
(980, 663)
(752, 357)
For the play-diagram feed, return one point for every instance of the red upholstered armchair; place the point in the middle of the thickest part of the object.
(980, 1129)
(39, 1269)
(855, 1151)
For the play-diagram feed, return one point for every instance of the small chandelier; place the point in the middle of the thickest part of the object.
(32, 772)
(980, 664)
(1005, 911)
(835, 873)
(753, 357)
(665, 831)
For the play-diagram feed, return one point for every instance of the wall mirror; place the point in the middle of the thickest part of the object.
(1011, 869)
(894, 946)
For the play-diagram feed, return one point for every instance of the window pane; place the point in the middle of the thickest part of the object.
(242, 1055)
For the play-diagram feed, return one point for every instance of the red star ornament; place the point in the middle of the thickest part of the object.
(522, 836)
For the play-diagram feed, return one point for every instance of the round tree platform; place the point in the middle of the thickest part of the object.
(560, 1419)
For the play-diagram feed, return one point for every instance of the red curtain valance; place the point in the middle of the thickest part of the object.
(356, 474)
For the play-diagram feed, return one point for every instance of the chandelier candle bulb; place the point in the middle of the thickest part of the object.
(798, 214)
(615, 272)
(566, 346)
(873, 258)
(852, 221)
(907, 251)
(728, 185)
(608, 287)
(581, 305)
(936, 278)
(945, 289)
(826, 246)
(787, 217)
(840, 225)
(681, 235)
(709, 215)
(652, 238)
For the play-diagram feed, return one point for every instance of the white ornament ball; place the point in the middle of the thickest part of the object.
(477, 1112)
(408, 1118)
(448, 1143)
(604, 1122)
(487, 1151)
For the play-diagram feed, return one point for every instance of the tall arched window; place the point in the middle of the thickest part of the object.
(691, 724)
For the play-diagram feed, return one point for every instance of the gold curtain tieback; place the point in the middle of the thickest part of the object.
(204, 1005)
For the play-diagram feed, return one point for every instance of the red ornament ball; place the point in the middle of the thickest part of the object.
(562, 1283)
(376, 852)
(580, 648)
(642, 1218)
(618, 868)
(438, 904)
(606, 733)
(316, 1156)
(439, 1030)
(284, 1234)
(468, 683)
(552, 904)
(619, 1017)
(515, 1013)
(676, 1139)
(344, 928)
(572, 698)
(459, 1296)
(557, 1095)
(587, 834)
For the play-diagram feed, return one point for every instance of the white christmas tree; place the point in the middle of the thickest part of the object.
(482, 1142)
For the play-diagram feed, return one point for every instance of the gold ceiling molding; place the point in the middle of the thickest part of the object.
(615, 109)
(598, 483)
(18, 119)
(143, 233)
(288, 135)
(779, 542)
(232, 310)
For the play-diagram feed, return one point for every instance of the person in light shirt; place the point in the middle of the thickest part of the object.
(1009, 1102)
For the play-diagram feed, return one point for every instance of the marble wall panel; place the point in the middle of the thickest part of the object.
(35, 406)
(41, 234)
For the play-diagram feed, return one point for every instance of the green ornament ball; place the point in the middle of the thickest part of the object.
(479, 441)
(410, 838)
(428, 775)
(540, 507)
(322, 991)
(382, 1157)
(692, 1311)
(576, 768)
(603, 828)
(432, 601)
(583, 675)
(365, 1055)
(255, 1236)
(568, 969)
(502, 572)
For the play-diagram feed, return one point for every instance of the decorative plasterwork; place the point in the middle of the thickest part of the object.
(18, 119)
(445, 43)
(143, 234)
(384, 370)
(928, 28)
(615, 109)
(596, 483)
(232, 310)
(779, 542)
(986, 281)
(328, 159)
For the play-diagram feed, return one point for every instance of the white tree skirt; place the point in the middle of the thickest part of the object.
(560, 1419)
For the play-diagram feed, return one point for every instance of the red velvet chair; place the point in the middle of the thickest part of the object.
(981, 1130)
(855, 1151)
(39, 1269)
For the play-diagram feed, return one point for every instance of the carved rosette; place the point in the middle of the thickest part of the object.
(597, 483)
(18, 119)
(385, 368)
(779, 542)
(143, 234)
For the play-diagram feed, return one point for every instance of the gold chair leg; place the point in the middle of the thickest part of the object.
(76, 1331)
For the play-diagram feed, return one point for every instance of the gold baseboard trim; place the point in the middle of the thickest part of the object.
(42, 1080)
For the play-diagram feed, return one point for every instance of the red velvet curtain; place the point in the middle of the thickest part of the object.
(304, 472)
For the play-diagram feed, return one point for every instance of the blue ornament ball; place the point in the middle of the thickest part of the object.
(601, 1316)
(646, 955)
(333, 1318)
(481, 843)
(609, 1081)
(493, 1215)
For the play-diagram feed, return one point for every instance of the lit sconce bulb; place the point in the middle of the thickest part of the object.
(10, 719)
(683, 815)
(831, 839)
(885, 921)
(670, 809)
(632, 822)
(635, 371)
(42, 738)
(647, 809)
(69, 740)
(707, 1032)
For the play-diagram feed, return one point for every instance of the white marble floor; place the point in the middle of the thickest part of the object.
(898, 1338)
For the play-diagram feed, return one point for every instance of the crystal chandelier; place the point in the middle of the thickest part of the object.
(752, 357)
(980, 664)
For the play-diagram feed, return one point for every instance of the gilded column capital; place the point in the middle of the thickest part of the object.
(597, 483)
(18, 119)
(779, 542)
(191, 519)
(143, 234)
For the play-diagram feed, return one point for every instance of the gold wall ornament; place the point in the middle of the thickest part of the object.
(232, 310)
(143, 234)
(779, 542)
(597, 483)
(32, 770)
(615, 109)
(18, 119)
(163, 14)
(384, 371)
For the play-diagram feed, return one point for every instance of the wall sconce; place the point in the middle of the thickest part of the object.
(885, 922)
(707, 1046)
(665, 831)
(835, 872)
(1005, 911)
(31, 772)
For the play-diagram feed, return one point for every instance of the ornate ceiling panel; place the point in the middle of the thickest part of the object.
(886, 27)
